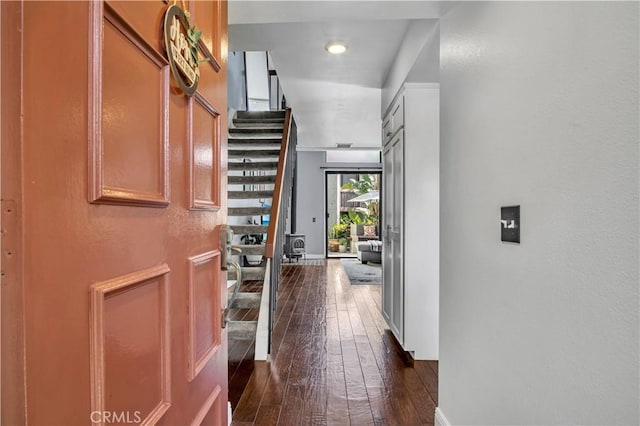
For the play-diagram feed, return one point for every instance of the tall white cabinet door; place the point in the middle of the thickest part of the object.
(411, 218)
(387, 224)
(392, 251)
(397, 317)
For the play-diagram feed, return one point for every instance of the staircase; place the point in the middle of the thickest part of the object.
(254, 148)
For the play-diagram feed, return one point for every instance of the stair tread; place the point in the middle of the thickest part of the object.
(257, 124)
(255, 136)
(248, 211)
(251, 249)
(255, 142)
(247, 195)
(242, 330)
(246, 300)
(260, 114)
(251, 273)
(264, 179)
(253, 268)
(254, 153)
(241, 121)
(249, 229)
(256, 130)
(256, 165)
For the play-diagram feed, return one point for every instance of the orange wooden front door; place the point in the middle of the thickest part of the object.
(116, 185)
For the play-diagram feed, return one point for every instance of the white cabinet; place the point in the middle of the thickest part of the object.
(392, 268)
(410, 220)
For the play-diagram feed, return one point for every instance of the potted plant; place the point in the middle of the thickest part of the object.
(342, 247)
(338, 231)
(333, 239)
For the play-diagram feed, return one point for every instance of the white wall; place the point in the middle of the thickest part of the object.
(257, 80)
(419, 45)
(539, 105)
(235, 83)
(310, 200)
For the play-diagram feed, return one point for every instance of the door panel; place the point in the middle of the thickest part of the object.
(122, 282)
(396, 238)
(393, 251)
(11, 291)
(128, 134)
(387, 248)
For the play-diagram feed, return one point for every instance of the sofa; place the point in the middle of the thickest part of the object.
(370, 251)
(359, 234)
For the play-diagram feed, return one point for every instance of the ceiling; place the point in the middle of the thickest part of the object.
(335, 99)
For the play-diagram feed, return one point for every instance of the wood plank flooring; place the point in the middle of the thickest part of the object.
(334, 362)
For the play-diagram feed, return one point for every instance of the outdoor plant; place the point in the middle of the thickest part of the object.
(340, 230)
(365, 184)
(357, 218)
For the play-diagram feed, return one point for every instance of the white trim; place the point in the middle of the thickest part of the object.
(311, 256)
(440, 419)
(262, 328)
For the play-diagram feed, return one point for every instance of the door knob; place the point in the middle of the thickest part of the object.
(226, 238)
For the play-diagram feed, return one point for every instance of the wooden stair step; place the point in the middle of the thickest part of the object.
(258, 165)
(251, 249)
(248, 211)
(251, 180)
(242, 330)
(246, 300)
(253, 153)
(248, 229)
(249, 195)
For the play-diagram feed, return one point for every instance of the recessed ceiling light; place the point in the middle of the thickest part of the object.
(336, 47)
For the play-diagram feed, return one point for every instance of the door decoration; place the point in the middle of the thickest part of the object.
(181, 44)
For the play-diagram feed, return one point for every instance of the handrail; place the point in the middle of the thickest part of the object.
(278, 189)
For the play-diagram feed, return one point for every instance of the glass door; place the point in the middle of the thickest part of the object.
(352, 211)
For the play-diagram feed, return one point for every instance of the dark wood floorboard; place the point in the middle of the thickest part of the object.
(334, 361)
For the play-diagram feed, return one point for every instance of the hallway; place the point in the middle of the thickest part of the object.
(334, 361)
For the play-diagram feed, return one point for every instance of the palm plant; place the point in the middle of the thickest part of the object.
(365, 184)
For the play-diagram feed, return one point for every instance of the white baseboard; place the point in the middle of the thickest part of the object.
(314, 256)
(440, 419)
(229, 413)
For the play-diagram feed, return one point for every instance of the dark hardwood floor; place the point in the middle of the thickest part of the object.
(334, 361)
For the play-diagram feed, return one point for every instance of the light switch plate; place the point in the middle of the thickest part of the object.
(510, 224)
